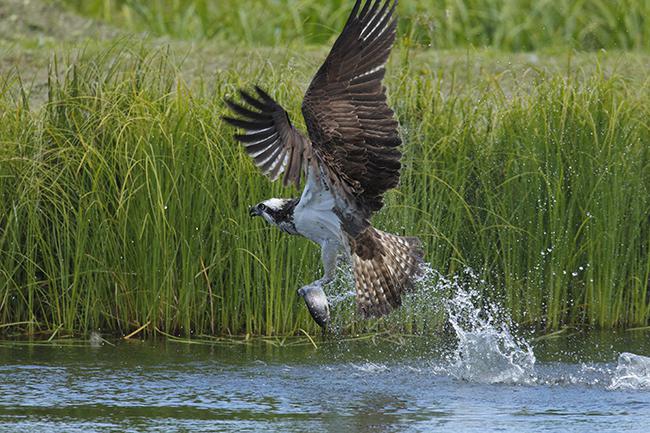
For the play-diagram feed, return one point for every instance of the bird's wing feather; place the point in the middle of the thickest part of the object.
(270, 139)
(353, 131)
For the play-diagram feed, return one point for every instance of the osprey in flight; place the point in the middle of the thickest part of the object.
(349, 161)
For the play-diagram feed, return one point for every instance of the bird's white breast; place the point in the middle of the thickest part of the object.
(314, 217)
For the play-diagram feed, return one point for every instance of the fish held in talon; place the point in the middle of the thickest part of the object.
(349, 158)
(317, 304)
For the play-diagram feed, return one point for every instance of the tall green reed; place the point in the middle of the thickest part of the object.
(124, 199)
(126, 203)
(544, 193)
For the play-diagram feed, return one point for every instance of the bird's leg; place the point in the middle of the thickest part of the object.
(313, 293)
(328, 253)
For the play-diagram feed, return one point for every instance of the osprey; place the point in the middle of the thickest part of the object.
(349, 161)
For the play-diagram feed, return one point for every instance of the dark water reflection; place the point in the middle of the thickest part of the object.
(366, 386)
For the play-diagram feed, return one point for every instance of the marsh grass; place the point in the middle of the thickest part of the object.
(518, 25)
(123, 201)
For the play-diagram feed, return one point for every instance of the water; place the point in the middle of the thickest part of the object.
(578, 383)
(483, 376)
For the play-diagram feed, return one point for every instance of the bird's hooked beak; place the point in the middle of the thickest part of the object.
(254, 211)
(317, 305)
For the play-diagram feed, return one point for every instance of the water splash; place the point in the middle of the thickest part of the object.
(632, 372)
(487, 350)
(370, 367)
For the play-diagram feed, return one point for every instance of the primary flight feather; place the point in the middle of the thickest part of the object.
(349, 161)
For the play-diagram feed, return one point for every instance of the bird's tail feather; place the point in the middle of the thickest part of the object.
(385, 266)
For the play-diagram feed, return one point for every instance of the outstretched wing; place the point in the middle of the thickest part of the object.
(352, 129)
(270, 139)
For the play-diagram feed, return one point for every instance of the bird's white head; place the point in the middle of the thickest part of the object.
(277, 211)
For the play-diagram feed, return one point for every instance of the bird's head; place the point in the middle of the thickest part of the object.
(276, 211)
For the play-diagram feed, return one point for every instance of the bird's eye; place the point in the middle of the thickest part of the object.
(262, 207)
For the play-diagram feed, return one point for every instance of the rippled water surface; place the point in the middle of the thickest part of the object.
(582, 382)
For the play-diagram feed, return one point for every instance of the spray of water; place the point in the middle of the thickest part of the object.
(632, 372)
(488, 347)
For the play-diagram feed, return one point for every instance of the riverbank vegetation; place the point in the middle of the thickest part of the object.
(123, 197)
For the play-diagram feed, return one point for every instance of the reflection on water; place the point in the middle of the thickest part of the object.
(579, 383)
